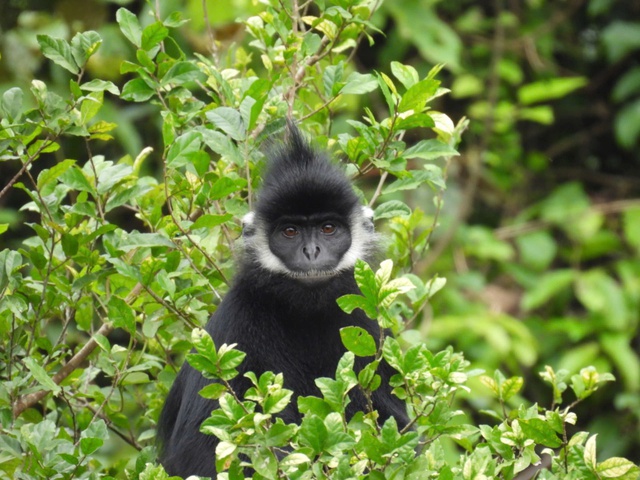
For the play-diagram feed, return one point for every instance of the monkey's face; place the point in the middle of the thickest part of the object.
(310, 247)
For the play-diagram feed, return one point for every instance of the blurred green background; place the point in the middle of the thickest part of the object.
(539, 237)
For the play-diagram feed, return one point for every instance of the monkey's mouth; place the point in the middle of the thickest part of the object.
(313, 275)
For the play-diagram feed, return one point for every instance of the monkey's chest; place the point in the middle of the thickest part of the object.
(304, 356)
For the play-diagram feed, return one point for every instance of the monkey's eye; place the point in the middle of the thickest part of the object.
(290, 232)
(329, 229)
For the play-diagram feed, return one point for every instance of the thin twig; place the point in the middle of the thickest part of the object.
(31, 399)
(378, 191)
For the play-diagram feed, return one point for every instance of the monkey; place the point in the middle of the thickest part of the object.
(301, 244)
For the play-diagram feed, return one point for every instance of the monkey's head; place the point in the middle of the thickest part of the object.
(308, 223)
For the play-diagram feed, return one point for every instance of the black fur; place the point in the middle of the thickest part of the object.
(282, 324)
(302, 181)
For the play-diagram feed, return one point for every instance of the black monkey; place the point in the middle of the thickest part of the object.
(301, 244)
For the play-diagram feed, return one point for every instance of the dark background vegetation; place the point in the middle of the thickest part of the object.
(539, 237)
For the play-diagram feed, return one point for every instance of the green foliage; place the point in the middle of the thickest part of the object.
(326, 445)
(128, 254)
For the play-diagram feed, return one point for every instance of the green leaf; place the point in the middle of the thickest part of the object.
(229, 358)
(97, 85)
(112, 175)
(213, 391)
(385, 84)
(59, 51)
(49, 177)
(204, 344)
(313, 433)
(431, 149)
(367, 377)
(182, 72)
(225, 186)
(143, 240)
(621, 38)
(277, 401)
(175, 20)
(91, 106)
(314, 405)
(137, 90)
(90, 445)
(348, 303)
(627, 86)
(614, 467)
(146, 61)
(415, 120)
(183, 147)
(366, 280)
(69, 244)
(279, 435)
(253, 102)
(224, 449)
(540, 432)
(42, 146)
(229, 121)
(135, 378)
(589, 453)
(294, 459)
(41, 375)
(416, 178)
(332, 79)
(415, 98)
(627, 124)
(93, 437)
(537, 249)
(491, 384)
(392, 353)
(264, 462)
(203, 364)
(511, 387)
(76, 179)
(600, 293)
(127, 196)
(618, 347)
(11, 105)
(542, 114)
(391, 209)
(548, 286)
(210, 221)
(358, 341)
(84, 45)
(130, 26)
(550, 89)
(566, 204)
(152, 35)
(221, 144)
(407, 75)
(359, 84)
(121, 315)
(333, 391)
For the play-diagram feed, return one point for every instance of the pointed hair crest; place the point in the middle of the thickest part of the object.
(300, 180)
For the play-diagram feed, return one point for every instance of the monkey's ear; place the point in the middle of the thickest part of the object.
(248, 225)
(367, 218)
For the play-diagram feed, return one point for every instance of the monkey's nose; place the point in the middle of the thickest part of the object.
(311, 252)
